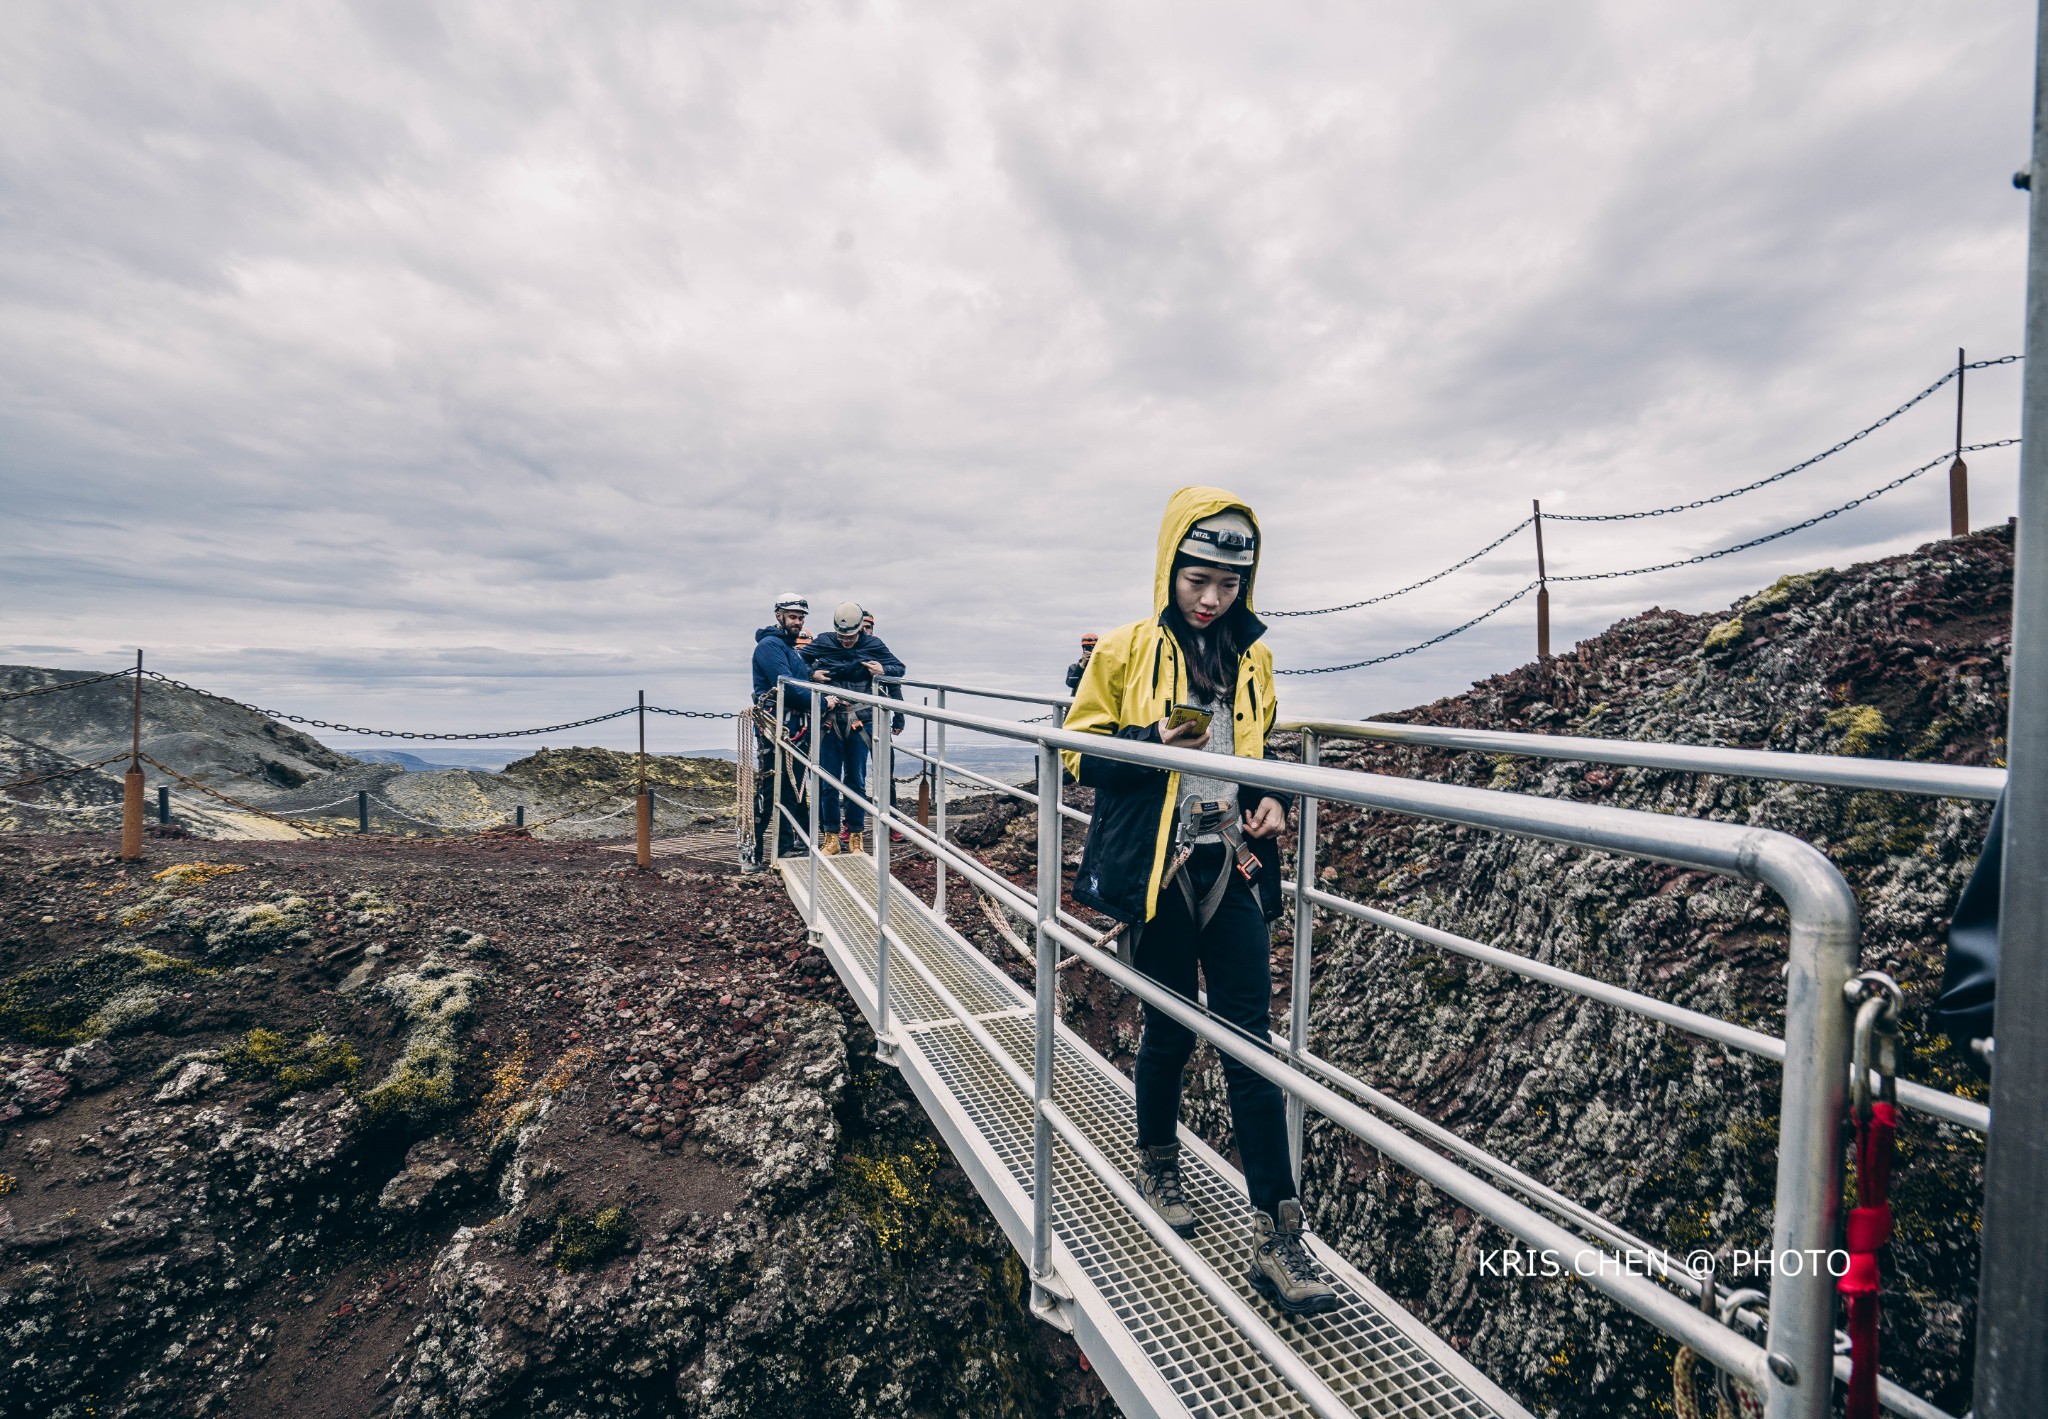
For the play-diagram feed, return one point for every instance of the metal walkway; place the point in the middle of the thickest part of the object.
(1161, 1345)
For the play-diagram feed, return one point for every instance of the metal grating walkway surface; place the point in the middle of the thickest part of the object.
(1160, 1344)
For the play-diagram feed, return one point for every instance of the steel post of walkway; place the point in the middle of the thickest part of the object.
(881, 789)
(1042, 1057)
(816, 932)
(2012, 1298)
(939, 810)
(775, 789)
(1304, 946)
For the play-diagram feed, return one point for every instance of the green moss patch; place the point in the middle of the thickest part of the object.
(585, 1239)
(1788, 589)
(1725, 636)
(105, 992)
(313, 1063)
(894, 1193)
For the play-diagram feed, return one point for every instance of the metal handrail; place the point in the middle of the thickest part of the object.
(1831, 770)
(1822, 958)
(980, 692)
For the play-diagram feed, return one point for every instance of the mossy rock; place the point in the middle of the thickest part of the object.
(585, 1239)
(1723, 637)
(110, 991)
(1788, 589)
(1863, 728)
(421, 1086)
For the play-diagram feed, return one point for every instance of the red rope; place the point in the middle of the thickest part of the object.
(1870, 1227)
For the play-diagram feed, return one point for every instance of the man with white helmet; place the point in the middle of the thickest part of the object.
(850, 658)
(775, 655)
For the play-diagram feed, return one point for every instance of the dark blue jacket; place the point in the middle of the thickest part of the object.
(843, 664)
(775, 653)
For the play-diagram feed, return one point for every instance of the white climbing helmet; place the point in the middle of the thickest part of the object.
(846, 617)
(790, 601)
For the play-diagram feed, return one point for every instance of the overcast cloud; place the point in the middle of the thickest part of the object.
(463, 366)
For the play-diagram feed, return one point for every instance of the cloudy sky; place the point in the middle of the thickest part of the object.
(472, 366)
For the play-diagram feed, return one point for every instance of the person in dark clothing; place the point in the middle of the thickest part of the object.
(776, 655)
(1080, 667)
(1193, 870)
(852, 659)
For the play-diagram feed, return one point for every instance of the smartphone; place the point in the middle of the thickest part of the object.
(1188, 714)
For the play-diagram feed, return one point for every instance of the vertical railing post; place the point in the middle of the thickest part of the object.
(519, 815)
(817, 736)
(362, 810)
(1304, 947)
(1048, 978)
(775, 790)
(131, 785)
(1959, 471)
(2012, 1343)
(643, 808)
(880, 770)
(1542, 589)
(163, 803)
(939, 811)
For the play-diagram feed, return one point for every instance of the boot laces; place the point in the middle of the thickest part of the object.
(1293, 1255)
(1166, 1185)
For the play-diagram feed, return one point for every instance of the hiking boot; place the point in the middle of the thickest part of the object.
(856, 842)
(1282, 1270)
(831, 844)
(1158, 1182)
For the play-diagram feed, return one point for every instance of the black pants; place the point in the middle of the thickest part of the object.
(1234, 953)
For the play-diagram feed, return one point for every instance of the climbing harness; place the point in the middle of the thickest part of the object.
(1877, 999)
(1201, 818)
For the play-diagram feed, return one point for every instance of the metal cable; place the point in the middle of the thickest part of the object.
(63, 773)
(693, 714)
(398, 812)
(61, 807)
(1423, 645)
(1412, 586)
(65, 685)
(315, 829)
(1856, 437)
(393, 733)
(1813, 521)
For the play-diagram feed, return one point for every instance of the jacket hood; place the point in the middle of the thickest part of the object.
(767, 631)
(1184, 509)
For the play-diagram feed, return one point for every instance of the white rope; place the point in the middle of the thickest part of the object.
(432, 823)
(578, 822)
(59, 807)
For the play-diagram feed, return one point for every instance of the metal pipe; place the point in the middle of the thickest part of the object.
(362, 810)
(1542, 589)
(779, 766)
(1304, 947)
(880, 767)
(1021, 795)
(939, 812)
(643, 810)
(163, 803)
(979, 692)
(1048, 979)
(1965, 1112)
(811, 763)
(1830, 770)
(2012, 1340)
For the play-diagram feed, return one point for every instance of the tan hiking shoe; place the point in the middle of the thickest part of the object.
(1158, 1180)
(856, 842)
(831, 844)
(1282, 1270)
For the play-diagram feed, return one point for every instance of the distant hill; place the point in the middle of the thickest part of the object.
(411, 763)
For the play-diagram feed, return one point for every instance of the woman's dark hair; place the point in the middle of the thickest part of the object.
(1211, 656)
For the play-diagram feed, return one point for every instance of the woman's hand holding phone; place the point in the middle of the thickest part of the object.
(1191, 734)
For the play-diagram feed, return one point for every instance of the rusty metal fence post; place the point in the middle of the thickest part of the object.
(131, 783)
(643, 806)
(1958, 471)
(1542, 590)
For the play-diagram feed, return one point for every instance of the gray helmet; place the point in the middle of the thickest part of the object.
(846, 617)
(790, 601)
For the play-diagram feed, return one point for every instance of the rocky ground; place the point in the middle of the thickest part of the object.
(468, 1127)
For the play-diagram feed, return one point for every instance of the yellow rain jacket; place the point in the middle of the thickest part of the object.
(1134, 677)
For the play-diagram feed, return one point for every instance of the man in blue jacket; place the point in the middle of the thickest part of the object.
(850, 658)
(775, 655)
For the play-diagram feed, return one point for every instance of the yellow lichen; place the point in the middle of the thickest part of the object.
(1785, 589)
(1723, 637)
(317, 1061)
(1862, 727)
(196, 874)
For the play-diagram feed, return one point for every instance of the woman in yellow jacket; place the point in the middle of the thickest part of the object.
(1201, 648)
